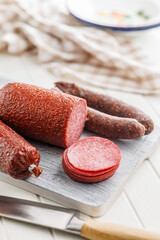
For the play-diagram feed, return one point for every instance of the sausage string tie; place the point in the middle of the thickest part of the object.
(35, 170)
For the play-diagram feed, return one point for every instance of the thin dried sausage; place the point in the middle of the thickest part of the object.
(43, 114)
(18, 158)
(108, 104)
(113, 127)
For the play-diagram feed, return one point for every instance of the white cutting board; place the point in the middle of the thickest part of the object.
(92, 199)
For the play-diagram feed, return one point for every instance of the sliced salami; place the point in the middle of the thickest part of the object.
(88, 179)
(91, 159)
(71, 168)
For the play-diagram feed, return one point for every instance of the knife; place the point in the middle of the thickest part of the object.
(68, 220)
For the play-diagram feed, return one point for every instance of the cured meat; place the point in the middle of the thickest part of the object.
(87, 179)
(108, 104)
(42, 114)
(83, 173)
(18, 158)
(113, 127)
(91, 159)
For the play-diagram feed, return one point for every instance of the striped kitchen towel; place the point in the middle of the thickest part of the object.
(72, 51)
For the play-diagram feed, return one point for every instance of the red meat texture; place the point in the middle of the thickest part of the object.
(16, 154)
(43, 114)
(91, 159)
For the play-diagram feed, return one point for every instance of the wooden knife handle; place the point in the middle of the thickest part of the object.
(106, 231)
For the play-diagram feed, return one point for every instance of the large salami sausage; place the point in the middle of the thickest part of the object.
(42, 114)
(108, 104)
(18, 158)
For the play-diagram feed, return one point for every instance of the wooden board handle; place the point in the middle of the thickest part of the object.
(107, 231)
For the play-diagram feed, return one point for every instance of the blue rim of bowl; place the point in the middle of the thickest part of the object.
(124, 29)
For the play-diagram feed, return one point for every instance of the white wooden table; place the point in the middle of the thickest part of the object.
(139, 202)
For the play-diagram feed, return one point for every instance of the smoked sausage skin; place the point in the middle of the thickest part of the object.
(108, 104)
(16, 154)
(42, 114)
(113, 127)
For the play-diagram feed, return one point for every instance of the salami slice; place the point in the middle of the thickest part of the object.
(91, 159)
(88, 179)
(84, 173)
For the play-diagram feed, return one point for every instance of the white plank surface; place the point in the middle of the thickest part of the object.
(138, 205)
(155, 161)
(3, 234)
(143, 190)
(121, 212)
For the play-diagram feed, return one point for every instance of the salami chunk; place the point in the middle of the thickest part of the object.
(42, 114)
(91, 159)
(18, 158)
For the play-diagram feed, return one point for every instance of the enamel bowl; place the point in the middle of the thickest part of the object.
(117, 15)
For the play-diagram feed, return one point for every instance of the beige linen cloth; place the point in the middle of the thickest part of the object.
(71, 51)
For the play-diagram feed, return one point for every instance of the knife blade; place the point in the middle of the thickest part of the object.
(40, 214)
(68, 220)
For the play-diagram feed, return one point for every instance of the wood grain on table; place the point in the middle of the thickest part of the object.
(138, 204)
